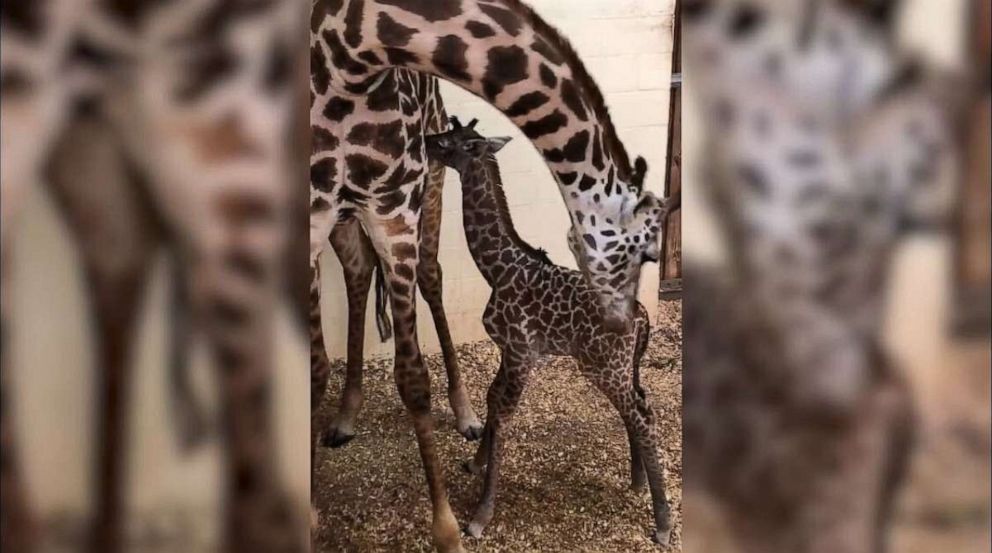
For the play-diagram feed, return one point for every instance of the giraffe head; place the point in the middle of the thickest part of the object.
(835, 54)
(460, 146)
(610, 253)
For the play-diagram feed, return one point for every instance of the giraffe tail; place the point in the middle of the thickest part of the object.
(382, 321)
(189, 418)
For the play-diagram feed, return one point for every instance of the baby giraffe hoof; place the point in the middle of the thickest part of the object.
(314, 519)
(661, 537)
(639, 488)
(474, 530)
(335, 438)
(469, 467)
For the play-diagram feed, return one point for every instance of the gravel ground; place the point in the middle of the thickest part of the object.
(564, 481)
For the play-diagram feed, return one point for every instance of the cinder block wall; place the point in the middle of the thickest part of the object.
(627, 47)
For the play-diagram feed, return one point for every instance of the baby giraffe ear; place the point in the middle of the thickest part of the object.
(496, 143)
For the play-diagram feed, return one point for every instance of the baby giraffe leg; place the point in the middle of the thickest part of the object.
(638, 475)
(502, 401)
(644, 420)
(641, 423)
(429, 279)
(477, 464)
(358, 260)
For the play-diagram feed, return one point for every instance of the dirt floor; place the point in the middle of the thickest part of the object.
(565, 477)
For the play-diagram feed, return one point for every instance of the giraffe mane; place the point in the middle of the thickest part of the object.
(582, 79)
(504, 211)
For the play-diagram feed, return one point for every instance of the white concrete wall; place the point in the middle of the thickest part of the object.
(627, 46)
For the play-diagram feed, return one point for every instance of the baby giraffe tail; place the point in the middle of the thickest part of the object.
(382, 321)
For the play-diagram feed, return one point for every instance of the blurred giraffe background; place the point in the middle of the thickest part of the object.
(936, 326)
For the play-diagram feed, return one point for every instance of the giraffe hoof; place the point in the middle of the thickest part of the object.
(334, 438)
(474, 530)
(661, 537)
(314, 519)
(469, 467)
(472, 432)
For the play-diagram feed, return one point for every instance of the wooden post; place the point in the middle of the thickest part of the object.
(973, 274)
(671, 252)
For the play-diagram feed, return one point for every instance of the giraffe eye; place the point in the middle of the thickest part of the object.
(745, 21)
(695, 9)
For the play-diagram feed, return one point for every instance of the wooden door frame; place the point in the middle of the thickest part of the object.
(972, 315)
(671, 249)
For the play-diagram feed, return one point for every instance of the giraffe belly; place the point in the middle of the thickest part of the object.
(369, 150)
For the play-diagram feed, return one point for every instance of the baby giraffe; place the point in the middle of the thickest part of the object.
(537, 308)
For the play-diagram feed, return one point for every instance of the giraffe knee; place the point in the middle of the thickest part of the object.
(429, 277)
(412, 379)
(415, 396)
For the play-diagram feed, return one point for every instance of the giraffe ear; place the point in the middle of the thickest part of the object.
(496, 143)
(881, 13)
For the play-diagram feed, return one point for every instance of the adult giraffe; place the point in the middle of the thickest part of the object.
(503, 52)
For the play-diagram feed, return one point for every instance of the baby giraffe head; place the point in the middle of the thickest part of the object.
(461, 145)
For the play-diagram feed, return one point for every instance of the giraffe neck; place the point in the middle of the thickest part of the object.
(503, 52)
(492, 239)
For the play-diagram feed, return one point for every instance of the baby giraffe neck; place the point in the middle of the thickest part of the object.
(492, 238)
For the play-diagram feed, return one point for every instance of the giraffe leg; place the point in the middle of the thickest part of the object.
(100, 196)
(638, 415)
(115, 296)
(320, 370)
(33, 103)
(320, 365)
(638, 475)
(358, 260)
(429, 278)
(220, 171)
(17, 527)
(648, 446)
(259, 517)
(502, 402)
(397, 246)
(478, 462)
(18, 533)
(643, 419)
(233, 288)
